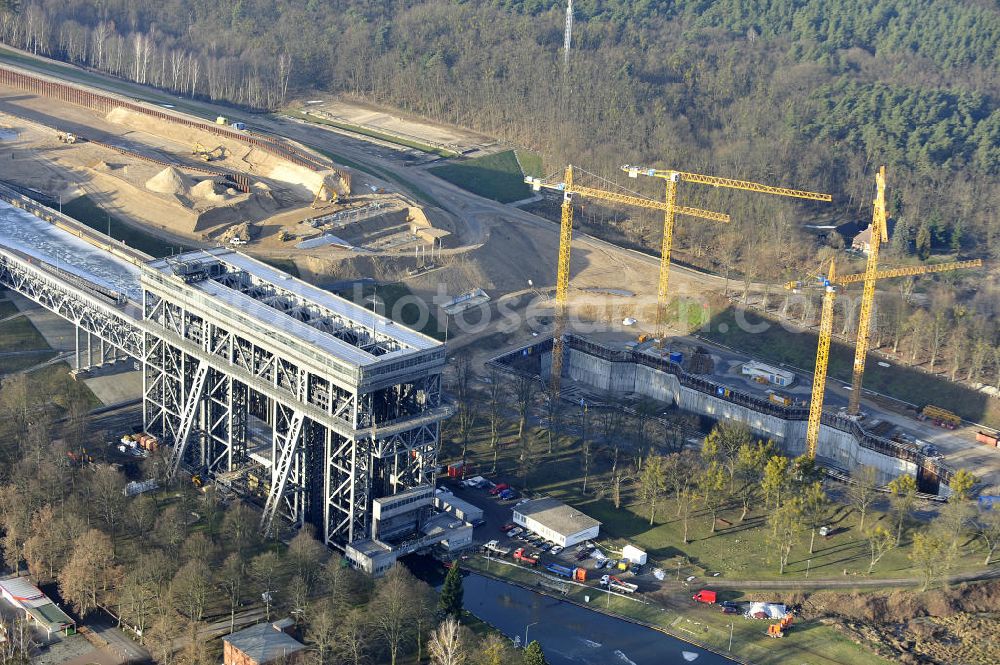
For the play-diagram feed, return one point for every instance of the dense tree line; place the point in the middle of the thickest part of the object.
(170, 563)
(806, 93)
(811, 93)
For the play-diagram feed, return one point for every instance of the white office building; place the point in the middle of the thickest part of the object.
(555, 521)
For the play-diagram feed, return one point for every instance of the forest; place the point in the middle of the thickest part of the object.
(814, 94)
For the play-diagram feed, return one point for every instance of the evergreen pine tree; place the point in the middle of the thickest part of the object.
(450, 602)
(533, 654)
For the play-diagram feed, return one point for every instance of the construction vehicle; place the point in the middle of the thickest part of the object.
(940, 417)
(830, 282)
(319, 198)
(777, 630)
(285, 236)
(67, 137)
(616, 584)
(520, 554)
(579, 574)
(204, 154)
(196, 480)
(495, 547)
(778, 398)
(568, 189)
(672, 210)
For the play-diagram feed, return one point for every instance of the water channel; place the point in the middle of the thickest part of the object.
(571, 635)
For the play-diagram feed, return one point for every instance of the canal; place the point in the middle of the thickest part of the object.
(571, 635)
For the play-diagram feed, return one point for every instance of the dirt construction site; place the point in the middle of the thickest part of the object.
(191, 180)
(200, 183)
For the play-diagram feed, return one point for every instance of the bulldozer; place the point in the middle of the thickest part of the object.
(777, 630)
(203, 153)
(67, 137)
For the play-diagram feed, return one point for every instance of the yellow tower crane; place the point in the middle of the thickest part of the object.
(880, 234)
(830, 284)
(671, 210)
(569, 188)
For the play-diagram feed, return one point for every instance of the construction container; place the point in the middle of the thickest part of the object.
(580, 574)
(676, 357)
(634, 554)
(778, 398)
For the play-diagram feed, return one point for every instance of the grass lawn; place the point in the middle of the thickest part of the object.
(382, 136)
(531, 163)
(496, 176)
(778, 345)
(20, 335)
(736, 551)
(86, 211)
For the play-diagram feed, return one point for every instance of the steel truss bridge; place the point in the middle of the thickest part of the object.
(267, 384)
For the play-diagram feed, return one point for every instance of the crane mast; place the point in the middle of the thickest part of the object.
(671, 210)
(831, 282)
(879, 233)
(569, 188)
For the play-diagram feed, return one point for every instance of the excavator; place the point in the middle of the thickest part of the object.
(320, 199)
(203, 153)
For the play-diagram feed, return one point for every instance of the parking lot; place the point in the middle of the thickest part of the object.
(498, 513)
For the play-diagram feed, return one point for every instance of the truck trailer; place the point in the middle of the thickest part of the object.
(615, 584)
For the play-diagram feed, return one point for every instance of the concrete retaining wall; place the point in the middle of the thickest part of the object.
(840, 448)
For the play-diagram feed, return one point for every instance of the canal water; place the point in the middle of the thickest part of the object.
(571, 635)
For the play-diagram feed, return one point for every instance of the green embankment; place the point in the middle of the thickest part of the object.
(497, 176)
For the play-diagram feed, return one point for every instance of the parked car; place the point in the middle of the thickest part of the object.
(516, 531)
(507, 527)
(730, 603)
(556, 549)
(728, 609)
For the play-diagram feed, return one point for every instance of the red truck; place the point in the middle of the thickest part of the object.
(499, 488)
(704, 596)
(522, 556)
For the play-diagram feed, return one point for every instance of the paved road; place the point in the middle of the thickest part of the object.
(850, 582)
(117, 641)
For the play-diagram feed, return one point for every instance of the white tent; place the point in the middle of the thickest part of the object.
(766, 611)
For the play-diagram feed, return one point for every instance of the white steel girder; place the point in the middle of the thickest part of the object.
(280, 471)
(187, 419)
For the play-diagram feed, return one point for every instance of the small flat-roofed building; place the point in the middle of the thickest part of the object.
(554, 520)
(22, 594)
(260, 645)
(463, 510)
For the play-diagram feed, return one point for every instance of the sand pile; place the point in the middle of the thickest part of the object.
(208, 190)
(168, 181)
